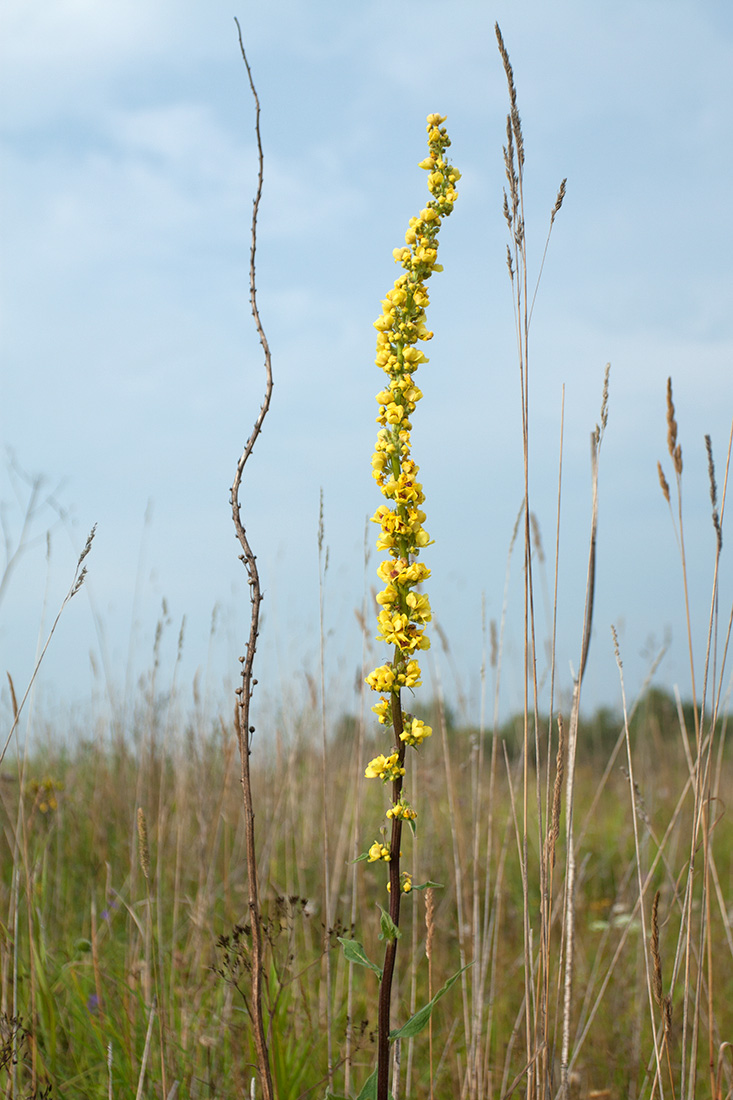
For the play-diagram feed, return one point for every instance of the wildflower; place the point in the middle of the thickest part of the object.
(404, 612)
(385, 768)
(405, 883)
(381, 679)
(379, 851)
(414, 731)
(383, 711)
(402, 809)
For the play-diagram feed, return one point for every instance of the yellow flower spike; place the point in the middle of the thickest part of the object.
(403, 612)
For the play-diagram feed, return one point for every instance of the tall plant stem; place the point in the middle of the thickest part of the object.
(244, 730)
(395, 896)
(322, 570)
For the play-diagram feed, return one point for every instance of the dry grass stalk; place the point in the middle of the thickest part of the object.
(663, 482)
(143, 847)
(568, 931)
(429, 934)
(554, 830)
(713, 492)
(637, 849)
(674, 448)
(664, 1002)
(327, 989)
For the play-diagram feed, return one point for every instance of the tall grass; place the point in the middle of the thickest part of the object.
(157, 941)
(84, 929)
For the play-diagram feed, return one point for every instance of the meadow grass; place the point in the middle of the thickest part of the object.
(91, 948)
(179, 919)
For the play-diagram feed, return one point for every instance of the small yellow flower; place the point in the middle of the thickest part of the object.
(403, 810)
(419, 607)
(383, 711)
(379, 851)
(411, 676)
(385, 768)
(382, 679)
(415, 732)
(388, 597)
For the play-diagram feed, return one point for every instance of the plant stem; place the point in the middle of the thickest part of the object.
(395, 896)
(244, 730)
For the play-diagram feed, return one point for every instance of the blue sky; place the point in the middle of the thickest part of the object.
(131, 373)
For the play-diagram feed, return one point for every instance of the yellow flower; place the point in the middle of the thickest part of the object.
(414, 357)
(403, 810)
(411, 676)
(382, 679)
(379, 851)
(415, 731)
(419, 607)
(383, 711)
(385, 768)
(389, 596)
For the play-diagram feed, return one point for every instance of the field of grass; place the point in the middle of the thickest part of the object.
(112, 977)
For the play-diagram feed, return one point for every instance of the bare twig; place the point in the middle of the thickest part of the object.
(244, 730)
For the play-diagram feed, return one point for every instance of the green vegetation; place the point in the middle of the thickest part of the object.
(89, 946)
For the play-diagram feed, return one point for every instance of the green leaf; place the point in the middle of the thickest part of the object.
(390, 931)
(354, 952)
(363, 856)
(417, 1022)
(369, 1089)
(335, 1096)
(426, 885)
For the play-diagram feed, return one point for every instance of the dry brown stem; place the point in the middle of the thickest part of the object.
(244, 729)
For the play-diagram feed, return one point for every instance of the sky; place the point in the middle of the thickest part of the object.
(131, 373)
